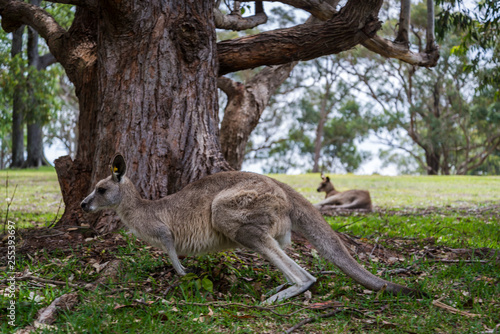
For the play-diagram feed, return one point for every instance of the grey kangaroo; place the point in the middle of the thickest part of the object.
(349, 199)
(228, 210)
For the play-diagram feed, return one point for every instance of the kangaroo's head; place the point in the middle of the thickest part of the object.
(325, 185)
(107, 192)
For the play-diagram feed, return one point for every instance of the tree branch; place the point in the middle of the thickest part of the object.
(389, 49)
(90, 4)
(319, 9)
(352, 25)
(404, 23)
(477, 160)
(389, 143)
(46, 60)
(227, 85)
(234, 21)
(304, 43)
(431, 45)
(16, 13)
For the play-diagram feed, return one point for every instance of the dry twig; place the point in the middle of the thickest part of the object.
(448, 308)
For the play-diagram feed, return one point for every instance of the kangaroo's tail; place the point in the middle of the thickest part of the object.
(311, 224)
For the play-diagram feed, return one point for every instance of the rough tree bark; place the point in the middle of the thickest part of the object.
(355, 23)
(432, 160)
(404, 23)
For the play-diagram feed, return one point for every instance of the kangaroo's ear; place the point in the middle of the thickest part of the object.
(118, 167)
(323, 176)
(327, 179)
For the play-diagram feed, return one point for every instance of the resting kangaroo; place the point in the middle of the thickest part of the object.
(349, 199)
(228, 210)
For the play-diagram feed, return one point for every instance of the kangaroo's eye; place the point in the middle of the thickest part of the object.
(101, 190)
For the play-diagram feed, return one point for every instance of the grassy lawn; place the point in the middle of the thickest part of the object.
(427, 232)
(407, 191)
(35, 196)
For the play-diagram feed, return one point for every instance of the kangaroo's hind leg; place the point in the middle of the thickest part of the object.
(260, 222)
(269, 248)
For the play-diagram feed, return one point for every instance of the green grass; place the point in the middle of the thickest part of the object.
(406, 191)
(35, 196)
(420, 219)
(459, 230)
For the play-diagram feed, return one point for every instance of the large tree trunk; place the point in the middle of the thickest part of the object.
(433, 162)
(18, 107)
(154, 99)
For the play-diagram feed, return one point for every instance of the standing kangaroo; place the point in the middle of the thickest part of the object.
(229, 210)
(349, 199)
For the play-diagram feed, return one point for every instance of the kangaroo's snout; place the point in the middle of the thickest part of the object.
(85, 205)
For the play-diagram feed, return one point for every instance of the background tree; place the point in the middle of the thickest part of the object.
(454, 129)
(323, 123)
(30, 90)
(478, 25)
(145, 74)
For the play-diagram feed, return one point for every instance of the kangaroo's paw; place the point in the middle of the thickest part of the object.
(292, 291)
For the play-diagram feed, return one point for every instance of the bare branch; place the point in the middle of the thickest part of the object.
(431, 45)
(320, 9)
(404, 23)
(90, 4)
(16, 13)
(235, 21)
(227, 85)
(46, 60)
(389, 49)
(377, 44)
(389, 143)
(477, 160)
(351, 26)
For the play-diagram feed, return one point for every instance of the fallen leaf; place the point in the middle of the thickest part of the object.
(320, 306)
(118, 306)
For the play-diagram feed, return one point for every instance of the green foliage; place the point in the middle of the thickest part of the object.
(322, 102)
(478, 24)
(201, 283)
